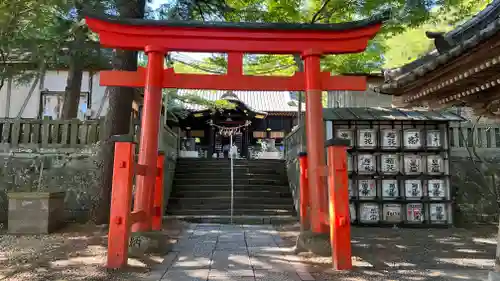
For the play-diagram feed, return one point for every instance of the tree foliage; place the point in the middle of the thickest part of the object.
(412, 43)
(27, 30)
(406, 15)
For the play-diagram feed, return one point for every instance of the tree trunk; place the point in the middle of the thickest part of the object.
(72, 92)
(118, 117)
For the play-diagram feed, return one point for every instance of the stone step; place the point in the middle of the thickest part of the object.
(237, 219)
(227, 200)
(223, 187)
(227, 212)
(219, 160)
(224, 181)
(237, 193)
(226, 163)
(227, 206)
(227, 174)
(272, 169)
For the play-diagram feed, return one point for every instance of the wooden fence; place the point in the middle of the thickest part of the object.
(485, 138)
(67, 134)
(32, 133)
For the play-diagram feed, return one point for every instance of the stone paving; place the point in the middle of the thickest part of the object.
(213, 252)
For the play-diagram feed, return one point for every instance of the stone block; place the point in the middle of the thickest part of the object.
(318, 244)
(493, 276)
(186, 275)
(155, 242)
(35, 212)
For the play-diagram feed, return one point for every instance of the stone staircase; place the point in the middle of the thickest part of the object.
(202, 191)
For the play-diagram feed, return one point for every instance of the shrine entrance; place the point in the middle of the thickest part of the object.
(157, 38)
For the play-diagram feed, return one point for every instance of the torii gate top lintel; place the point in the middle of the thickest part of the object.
(275, 38)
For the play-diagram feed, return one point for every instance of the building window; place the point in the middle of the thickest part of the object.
(197, 133)
(259, 135)
(51, 104)
(277, 135)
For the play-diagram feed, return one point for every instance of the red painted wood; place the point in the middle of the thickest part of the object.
(148, 149)
(158, 39)
(121, 200)
(315, 134)
(232, 82)
(158, 194)
(220, 39)
(235, 64)
(339, 220)
(304, 193)
(137, 216)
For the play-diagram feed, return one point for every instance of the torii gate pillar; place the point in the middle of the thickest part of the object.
(148, 149)
(315, 135)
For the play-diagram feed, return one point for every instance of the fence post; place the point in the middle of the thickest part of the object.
(493, 137)
(158, 193)
(121, 201)
(304, 192)
(338, 199)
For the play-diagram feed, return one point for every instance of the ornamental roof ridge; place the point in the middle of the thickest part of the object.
(480, 27)
(373, 20)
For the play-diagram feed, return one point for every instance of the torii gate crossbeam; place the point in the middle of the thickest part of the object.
(157, 38)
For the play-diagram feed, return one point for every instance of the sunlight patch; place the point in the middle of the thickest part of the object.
(479, 263)
(485, 241)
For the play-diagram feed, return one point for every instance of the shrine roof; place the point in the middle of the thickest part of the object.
(387, 114)
(376, 19)
(264, 101)
(449, 46)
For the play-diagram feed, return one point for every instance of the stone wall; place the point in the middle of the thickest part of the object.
(63, 155)
(75, 171)
(477, 187)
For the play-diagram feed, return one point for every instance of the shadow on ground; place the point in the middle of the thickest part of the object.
(77, 252)
(410, 254)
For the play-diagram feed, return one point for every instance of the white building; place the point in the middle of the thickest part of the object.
(45, 99)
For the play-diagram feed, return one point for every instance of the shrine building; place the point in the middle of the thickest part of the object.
(461, 72)
(261, 116)
(265, 117)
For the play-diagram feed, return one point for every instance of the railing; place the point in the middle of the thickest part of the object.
(22, 133)
(36, 133)
(291, 150)
(484, 138)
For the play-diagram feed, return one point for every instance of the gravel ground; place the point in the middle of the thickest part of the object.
(409, 254)
(76, 253)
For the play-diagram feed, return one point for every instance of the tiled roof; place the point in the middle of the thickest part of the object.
(373, 20)
(453, 44)
(387, 113)
(267, 101)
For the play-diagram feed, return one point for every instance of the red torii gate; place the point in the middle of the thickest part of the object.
(156, 38)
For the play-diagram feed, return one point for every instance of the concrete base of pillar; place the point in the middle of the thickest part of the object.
(318, 244)
(493, 276)
(151, 242)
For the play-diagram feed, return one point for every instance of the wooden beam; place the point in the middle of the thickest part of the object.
(472, 79)
(468, 60)
(232, 81)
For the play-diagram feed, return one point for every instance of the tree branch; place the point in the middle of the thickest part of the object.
(4, 67)
(318, 13)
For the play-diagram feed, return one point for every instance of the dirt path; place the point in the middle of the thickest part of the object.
(75, 253)
(409, 254)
